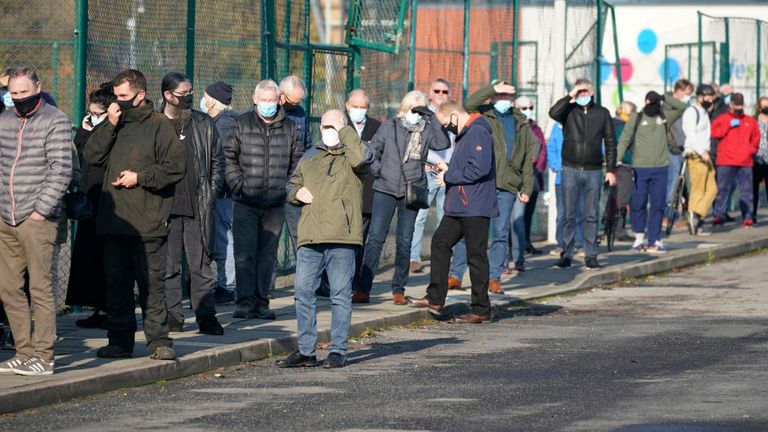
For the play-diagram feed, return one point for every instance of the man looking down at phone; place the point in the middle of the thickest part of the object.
(143, 160)
(469, 206)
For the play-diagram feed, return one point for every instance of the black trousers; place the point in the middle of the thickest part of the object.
(448, 233)
(185, 237)
(256, 234)
(759, 175)
(130, 261)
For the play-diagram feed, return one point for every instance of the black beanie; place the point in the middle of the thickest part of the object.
(220, 91)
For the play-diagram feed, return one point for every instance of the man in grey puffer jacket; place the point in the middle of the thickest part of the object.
(35, 171)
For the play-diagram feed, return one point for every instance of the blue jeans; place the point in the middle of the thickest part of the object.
(560, 202)
(581, 185)
(436, 193)
(338, 261)
(511, 213)
(673, 170)
(649, 183)
(224, 252)
(384, 206)
(725, 184)
(459, 260)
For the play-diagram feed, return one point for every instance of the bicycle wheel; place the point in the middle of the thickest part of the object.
(673, 211)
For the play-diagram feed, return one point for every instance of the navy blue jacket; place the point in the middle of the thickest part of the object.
(299, 117)
(224, 121)
(471, 176)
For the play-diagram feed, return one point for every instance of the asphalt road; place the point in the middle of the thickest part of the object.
(684, 352)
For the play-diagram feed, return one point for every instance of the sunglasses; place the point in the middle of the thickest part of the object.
(445, 92)
(526, 108)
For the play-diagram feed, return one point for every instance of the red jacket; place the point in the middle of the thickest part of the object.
(738, 145)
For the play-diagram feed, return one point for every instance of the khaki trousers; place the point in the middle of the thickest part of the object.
(703, 186)
(28, 247)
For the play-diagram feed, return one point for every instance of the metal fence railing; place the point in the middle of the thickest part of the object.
(392, 46)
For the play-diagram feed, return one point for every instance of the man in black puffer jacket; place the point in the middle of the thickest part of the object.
(587, 127)
(261, 153)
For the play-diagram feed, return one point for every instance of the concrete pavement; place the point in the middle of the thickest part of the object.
(80, 373)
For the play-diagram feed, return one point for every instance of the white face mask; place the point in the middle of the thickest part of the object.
(203, 105)
(357, 115)
(529, 113)
(686, 99)
(330, 137)
(412, 117)
(95, 120)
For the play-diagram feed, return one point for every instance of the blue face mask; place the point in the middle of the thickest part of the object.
(95, 121)
(502, 106)
(267, 110)
(584, 100)
(727, 99)
(7, 100)
(203, 108)
(357, 115)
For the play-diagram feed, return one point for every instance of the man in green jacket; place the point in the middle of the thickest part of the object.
(327, 185)
(143, 159)
(513, 148)
(646, 135)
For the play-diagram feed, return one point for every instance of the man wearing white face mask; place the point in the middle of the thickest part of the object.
(327, 186)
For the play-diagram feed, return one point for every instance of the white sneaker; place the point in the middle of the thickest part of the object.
(8, 365)
(34, 367)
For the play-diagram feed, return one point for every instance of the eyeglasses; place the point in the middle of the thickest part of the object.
(96, 114)
(186, 93)
(530, 108)
(445, 92)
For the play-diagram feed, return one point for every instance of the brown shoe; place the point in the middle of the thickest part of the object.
(471, 318)
(454, 284)
(423, 302)
(399, 299)
(416, 267)
(495, 287)
(360, 297)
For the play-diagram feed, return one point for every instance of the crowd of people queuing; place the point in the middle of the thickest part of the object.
(166, 188)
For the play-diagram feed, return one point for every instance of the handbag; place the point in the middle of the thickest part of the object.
(416, 197)
(77, 206)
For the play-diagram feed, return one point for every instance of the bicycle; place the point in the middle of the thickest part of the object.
(611, 217)
(678, 204)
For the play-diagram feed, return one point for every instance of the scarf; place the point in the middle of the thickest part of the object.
(414, 149)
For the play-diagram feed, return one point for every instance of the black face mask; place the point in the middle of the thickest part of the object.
(764, 110)
(738, 112)
(126, 105)
(652, 110)
(185, 102)
(26, 105)
(452, 127)
(706, 104)
(288, 106)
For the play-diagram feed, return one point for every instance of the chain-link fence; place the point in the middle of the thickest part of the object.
(392, 46)
(741, 54)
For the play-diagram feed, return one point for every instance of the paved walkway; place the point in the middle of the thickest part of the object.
(80, 373)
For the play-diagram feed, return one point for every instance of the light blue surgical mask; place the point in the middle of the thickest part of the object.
(95, 120)
(267, 110)
(357, 115)
(727, 99)
(502, 106)
(584, 100)
(203, 108)
(7, 100)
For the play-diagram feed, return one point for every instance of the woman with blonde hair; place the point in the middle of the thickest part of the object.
(400, 150)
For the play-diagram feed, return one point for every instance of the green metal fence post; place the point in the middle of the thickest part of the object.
(598, 58)
(191, 40)
(494, 61)
(465, 73)
(515, 40)
(268, 64)
(758, 65)
(725, 60)
(357, 63)
(81, 59)
(701, 51)
(55, 71)
(619, 78)
(412, 49)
